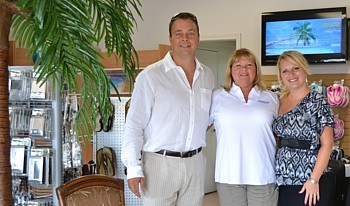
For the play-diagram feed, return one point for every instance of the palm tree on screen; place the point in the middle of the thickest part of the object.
(305, 33)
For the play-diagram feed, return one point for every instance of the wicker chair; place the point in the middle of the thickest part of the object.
(92, 190)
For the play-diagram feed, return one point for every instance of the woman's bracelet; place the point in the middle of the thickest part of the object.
(313, 181)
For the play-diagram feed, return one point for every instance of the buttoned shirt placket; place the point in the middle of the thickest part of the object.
(192, 110)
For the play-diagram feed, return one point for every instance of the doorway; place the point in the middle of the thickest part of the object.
(214, 54)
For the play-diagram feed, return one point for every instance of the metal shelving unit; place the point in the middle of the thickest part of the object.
(35, 139)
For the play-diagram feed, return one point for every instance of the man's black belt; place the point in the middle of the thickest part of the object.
(294, 143)
(180, 154)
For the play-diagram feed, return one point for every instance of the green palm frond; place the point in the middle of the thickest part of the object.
(304, 32)
(64, 32)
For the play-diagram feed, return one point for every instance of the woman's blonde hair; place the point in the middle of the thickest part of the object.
(296, 58)
(235, 56)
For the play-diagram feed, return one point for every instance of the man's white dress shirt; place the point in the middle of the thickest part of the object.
(166, 113)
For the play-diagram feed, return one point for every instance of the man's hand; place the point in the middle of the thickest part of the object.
(135, 183)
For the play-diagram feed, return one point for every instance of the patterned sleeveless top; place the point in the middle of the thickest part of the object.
(305, 121)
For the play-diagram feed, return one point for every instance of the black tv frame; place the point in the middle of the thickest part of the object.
(306, 14)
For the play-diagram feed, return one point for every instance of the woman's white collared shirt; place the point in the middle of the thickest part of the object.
(245, 142)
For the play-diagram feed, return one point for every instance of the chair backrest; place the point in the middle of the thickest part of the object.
(92, 190)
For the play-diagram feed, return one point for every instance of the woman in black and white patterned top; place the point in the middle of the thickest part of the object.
(305, 134)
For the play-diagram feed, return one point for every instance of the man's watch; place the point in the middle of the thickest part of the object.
(313, 181)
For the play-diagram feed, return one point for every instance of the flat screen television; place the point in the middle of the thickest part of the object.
(319, 34)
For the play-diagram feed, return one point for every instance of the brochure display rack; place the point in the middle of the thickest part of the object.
(32, 132)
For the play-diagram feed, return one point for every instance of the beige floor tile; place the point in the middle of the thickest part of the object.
(211, 199)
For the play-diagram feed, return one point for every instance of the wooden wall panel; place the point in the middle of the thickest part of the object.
(344, 113)
(18, 56)
(163, 50)
(110, 61)
(147, 57)
(87, 150)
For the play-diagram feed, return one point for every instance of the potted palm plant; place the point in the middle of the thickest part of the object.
(64, 35)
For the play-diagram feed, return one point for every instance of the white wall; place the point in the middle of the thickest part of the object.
(222, 18)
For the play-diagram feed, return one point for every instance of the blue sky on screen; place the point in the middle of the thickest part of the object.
(327, 31)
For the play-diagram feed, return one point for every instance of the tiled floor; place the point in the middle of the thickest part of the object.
(211, 199)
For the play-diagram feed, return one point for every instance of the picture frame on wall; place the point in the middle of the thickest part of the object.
(120, 81)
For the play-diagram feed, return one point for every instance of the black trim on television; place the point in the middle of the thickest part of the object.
(311, 14)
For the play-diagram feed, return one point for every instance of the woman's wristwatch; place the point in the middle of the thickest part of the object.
(313, 181)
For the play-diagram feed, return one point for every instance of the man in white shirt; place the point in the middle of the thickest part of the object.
(167, 122)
